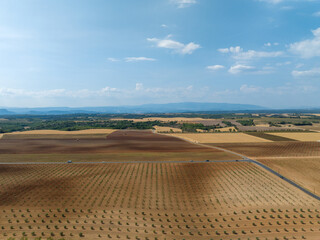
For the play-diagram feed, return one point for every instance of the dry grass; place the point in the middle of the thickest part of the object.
(227, 129)
(300, 136)
(154, 200)
(167, 129)
(304, 171)
(219, 137)
(1, 135)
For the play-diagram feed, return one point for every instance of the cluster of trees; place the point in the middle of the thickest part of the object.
(192, 127)
(248, 122)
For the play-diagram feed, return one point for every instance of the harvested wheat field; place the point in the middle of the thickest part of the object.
(153, 201)
(219, 137)
(167, 129)
(300, 136)
(117, 146)
(274, 149)
(55, 134)
(304, 171)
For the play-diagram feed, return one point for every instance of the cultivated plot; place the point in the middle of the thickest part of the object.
(304, 171)
(117, 146)
(274, 149)
(220, 137)
(153, 200)
(310, 136)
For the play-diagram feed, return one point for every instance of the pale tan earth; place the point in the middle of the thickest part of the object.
(167, 129)
(300, 136)
(304, 171)
(200, 130)
(1, 135)
(219, 137)
(227, 129)
(153, 200)
(262, 125)
(315, 127)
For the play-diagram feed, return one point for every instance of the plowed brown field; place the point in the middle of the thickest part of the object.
(152, 200)
(119, 145)
(274, 149)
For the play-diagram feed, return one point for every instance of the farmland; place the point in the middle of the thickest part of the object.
(131, 184)
(275, 149)
(117, 146)
(219, 137)
(216, 200)
(304, 171)
(312, 136)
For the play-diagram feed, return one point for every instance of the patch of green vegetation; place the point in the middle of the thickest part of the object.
(192, 127)
(248, 122)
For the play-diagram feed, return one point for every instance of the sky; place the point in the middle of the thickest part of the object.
(81, 53)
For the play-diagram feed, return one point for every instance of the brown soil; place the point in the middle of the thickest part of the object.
(172, 201)
(304, 171)
(118, 146)
(274, 149)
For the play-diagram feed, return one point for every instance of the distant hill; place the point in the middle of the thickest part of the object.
(5, 112)
(146, 108)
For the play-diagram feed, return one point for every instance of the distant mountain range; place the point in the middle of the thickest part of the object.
(146, 108)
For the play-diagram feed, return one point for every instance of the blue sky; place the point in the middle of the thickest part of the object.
(102, 53)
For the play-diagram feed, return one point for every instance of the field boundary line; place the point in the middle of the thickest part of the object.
(247, 159)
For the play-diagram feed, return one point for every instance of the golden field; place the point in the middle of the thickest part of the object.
(219, 137)
(167, 129)
(300, 136)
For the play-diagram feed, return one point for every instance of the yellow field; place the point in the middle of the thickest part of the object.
(227, 129)
(87, 131)
(304, 171)
(300, 136)
(178, 119)
(167, 129)
(219, 137)
(315, 127)
(1, 135)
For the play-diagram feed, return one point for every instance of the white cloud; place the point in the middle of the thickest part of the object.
(231, 50)
(272, 1)
(239, 54)
(113, 59)
(239, 68)
(184, 3)
(268, 44)
(307, 73)
(175, 45)
(22, 92)
(317, 14)
(139, 59)
(249, 89)
(164, 25)
(308, 48)
(215, 67)
(139, 86)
